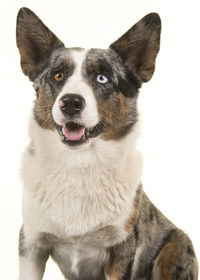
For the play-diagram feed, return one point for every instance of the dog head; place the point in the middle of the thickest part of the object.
(84, 95)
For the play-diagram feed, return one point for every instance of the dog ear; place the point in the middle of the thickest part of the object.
(139, 46)
(34, 40)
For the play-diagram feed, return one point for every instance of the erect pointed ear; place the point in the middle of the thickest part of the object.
(139, 46)
(34, 40)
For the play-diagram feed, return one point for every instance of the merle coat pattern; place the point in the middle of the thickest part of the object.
(83, 201)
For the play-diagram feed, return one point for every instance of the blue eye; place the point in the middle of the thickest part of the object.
(102, 79)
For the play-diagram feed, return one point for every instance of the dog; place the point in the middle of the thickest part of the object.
(83, 201)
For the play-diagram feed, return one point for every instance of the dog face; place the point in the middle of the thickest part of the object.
(84, 95)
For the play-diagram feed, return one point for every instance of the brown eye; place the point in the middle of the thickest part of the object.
(58, 76)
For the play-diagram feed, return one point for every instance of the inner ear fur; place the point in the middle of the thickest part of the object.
(139, 46)
(34, 40)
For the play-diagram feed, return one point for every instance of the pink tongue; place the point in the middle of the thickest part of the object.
(75, 134)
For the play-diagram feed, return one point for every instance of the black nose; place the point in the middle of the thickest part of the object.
(72, 104)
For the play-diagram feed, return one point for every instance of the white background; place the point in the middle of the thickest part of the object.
(170, 106)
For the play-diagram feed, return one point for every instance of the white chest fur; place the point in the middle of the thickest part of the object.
(71, 193)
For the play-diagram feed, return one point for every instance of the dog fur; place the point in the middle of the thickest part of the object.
(83, 202)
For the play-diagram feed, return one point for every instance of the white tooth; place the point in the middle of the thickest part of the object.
(63, 130)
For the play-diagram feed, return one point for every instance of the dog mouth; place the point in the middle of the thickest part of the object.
(73, 133)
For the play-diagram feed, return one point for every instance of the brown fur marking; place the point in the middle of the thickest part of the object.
(43, 110)
(115, 117)
(120, 257)
(114, 272)
(133, 217)
(167, 258)
(175, 261)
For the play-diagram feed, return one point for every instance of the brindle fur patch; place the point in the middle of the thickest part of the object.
(116, 115)
(43, 109)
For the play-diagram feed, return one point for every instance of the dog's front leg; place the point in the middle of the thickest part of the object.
(32, 258)
(121, 260)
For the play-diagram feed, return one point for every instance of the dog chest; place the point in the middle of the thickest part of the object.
(79, 258)
(86, 255)
(72, 196)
